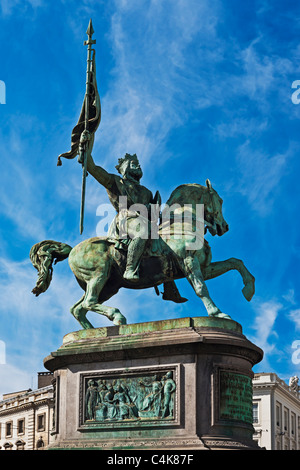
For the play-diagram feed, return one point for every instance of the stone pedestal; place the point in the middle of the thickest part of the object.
(165, 385)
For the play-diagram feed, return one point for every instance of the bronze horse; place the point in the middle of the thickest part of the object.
(99, 266)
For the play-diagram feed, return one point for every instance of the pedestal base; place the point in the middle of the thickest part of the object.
(174, 384)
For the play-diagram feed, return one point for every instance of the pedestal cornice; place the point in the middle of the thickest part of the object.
(180, 336)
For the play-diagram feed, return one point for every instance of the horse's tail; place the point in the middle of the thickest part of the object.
(42, 256)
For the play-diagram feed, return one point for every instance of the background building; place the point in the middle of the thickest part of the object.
(276, 412)
(26, 417)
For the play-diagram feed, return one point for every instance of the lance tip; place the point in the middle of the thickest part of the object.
(90, 31)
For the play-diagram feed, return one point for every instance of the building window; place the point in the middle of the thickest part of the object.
(286, 420)
(8, 446)
(8, 429)
(20, 445)
(41, 422)
(293, 425)
(278, 415)
(255, 413)
(21, 426)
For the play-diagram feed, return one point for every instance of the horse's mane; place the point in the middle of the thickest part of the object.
(182, 193)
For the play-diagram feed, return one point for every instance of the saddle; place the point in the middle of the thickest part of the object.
(155, 248)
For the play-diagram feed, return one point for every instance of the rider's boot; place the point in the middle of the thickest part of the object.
(134, 254)
(172, 293)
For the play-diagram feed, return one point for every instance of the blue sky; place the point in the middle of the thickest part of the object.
(198, 89)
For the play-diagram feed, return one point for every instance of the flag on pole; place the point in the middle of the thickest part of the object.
(94, 113)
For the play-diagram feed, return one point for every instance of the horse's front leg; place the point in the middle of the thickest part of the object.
(194, 276)
(79, 312)
(221, 267)
(91, 301)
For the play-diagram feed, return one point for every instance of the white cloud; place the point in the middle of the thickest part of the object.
(32, 327)
(8, 6)
(266, 315)
(273, 340)
(20, 179)
(290, 296)
(294, 316)
(14, 379)
(260, 174)
(147, 96)
(241, 126)
(263, 75)
(259, 72)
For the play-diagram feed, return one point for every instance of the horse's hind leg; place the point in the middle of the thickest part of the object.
(91, 301)
(79, 312)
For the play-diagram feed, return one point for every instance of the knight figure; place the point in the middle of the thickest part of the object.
(131, 228)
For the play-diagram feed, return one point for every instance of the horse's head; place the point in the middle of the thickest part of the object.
(194, 195)
(213, 216)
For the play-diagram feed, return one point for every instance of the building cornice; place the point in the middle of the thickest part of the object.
(279, 386)
(26, 406)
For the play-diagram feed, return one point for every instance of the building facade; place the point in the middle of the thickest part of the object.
(276, 412)
(26, 417)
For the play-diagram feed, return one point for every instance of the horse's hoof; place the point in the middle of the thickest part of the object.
(119, 319)
(248, 291)
(221, 315)
(224, 315)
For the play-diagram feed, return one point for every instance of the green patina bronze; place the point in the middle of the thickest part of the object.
(77, 338)
(132, 397)
(159, 247)
(235, 397)
(99, 266)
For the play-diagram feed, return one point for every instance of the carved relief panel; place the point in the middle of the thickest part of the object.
(139, 396)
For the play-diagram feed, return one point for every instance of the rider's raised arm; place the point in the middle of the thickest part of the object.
(101, 175)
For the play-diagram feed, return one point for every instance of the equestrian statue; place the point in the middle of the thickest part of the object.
(147, 245)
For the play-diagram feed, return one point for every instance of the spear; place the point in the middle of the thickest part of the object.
(88, 43)
(83, 133)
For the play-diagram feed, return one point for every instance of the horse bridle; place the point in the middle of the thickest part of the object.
(208, 224)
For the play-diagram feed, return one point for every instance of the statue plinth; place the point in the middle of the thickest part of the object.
(174, 384)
